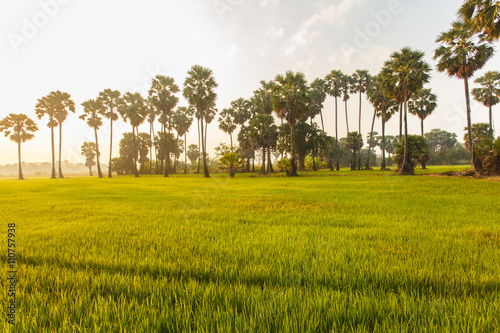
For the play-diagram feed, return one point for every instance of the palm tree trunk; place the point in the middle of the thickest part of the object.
(330, 164)
(185, 154)
(175, 154)
(253, 163)
(491, 120)
(53, 154)
(21, 177)
(422, 126)
(294, 165)
(200, 147)
(205, 169)
(110, 145)
(99, 172)
(269, 162)
(165, 151)
(371, 140)
(263, 168)
(313, 157)
(382, 167)
(407, 168)
(136, 174)
(474, 163)
(231, 137)
(401, 121)
(90, 171)
(60, 150)
(151, 149)
(359, 159)
(346, 117)
(336, 133)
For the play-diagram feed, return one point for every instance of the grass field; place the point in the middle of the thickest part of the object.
(356, 252)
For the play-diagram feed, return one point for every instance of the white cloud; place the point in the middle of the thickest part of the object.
(265, 3)
(331, 14)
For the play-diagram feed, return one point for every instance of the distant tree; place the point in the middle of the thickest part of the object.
(263, 132)
(334, 89)
(183, 119)
(361, 79)
(489, 93)
(406, 69)
(92, 112)
(422, 105)
(247, 147)
(461, 54)
(354, 143)
(193, 153)
(19, 128)
(89, 151)
(318, 96)
(109, 101)
(290, 100)
(227, 122)
(132, 108)
(416, 148)
(439, 140)
(44, 107)
(483, 17)
(199, 90)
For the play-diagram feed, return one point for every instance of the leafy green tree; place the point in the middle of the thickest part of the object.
(19, 128)
(109, 101)
(305, 135)
(408, 70)
(162, 97)
(247, 147)
(144, 144)
(334, 89)
(290, 99)
(92, 112)
(89, 151)
(183, 119)
(132, 107)
(422, 105)
(264, 133)
(461, 54)
(62, 103)
(416, 148)
(489, 93)
(483, 141)
(193, 153)
(199, 90)
(45, 108)
(354, 143)
(483, 17)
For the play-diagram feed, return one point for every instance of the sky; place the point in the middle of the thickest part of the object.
(84, 47)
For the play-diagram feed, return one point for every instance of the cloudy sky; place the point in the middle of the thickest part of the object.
(83, 47)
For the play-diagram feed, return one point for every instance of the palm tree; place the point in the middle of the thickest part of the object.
(408, 70)
(182, 119)
(361, 80)
(422, 105)
(483, 17)
(334, 89)
(227, 123)
(382, 104)
(19, 128)
(88, 149)
(132, 108)
(109, 99)
(162, 97)
(489, 93)
(263, 132)
(44, 107)
(151, 117)
(317, 98)
(461, 54)
(92, 113)
(290, 99)
(62, 104)
(199, 90)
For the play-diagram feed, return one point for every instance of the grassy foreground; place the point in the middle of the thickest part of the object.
(356, 253)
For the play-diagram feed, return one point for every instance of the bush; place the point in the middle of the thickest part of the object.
(285, 165)
(418, 151)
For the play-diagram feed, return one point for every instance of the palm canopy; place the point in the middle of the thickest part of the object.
(109, 100)
(199, 89)
(92, 111)
(423, 104)
(483, 16)
(18, 127)
(227, 122)
(461, 52)
(45, 108)
(379, 98)
(317, 94)
(361, 80)
(489, 93)
(290, 96)
(62, 104)
(162, 96)
(132, 107)
(334, 83)
(262, 97)
(182, 119)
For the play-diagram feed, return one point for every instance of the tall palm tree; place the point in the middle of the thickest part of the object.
(151, 117)
(88, 150)
(408, 70)
(361, 79)
(346, 89)
(62, 104)
(489, 93)
(317, 98)
(290, 99)
(483, 16)
(109, 99)
(19, 128)
(199, 90)
(92, 112)
(334, 89)
(461, 54)
(422, 105)
(45, 108)
(227, 123)
(132, 107)
(162, 97)
(382, 104)
(183, 119)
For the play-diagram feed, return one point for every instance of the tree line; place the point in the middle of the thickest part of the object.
(399, 88)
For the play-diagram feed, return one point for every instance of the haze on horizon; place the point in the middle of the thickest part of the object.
(83, 47)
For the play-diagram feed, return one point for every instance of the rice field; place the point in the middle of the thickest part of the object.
(329, 252)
